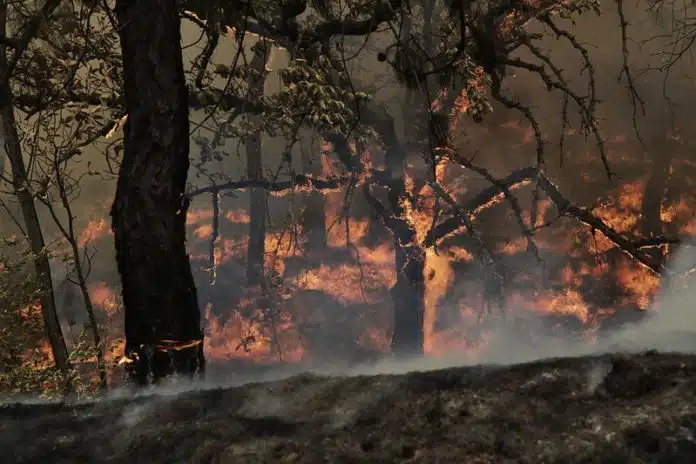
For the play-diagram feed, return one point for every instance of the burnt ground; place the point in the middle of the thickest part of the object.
(617, 408)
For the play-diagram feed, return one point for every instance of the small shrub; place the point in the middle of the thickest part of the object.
(26, 361)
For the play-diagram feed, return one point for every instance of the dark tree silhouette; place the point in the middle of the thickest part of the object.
(162, 316)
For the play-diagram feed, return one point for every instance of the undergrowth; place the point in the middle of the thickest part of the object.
(26, 361)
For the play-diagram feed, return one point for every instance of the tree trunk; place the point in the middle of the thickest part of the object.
(314, 211)
(428, 27)
(408, 298)
(2, 167)
(654, 193)
(162, 316)
(651, 224)
(653, 196)
(408, 293)
(21, 190)
(256, 250)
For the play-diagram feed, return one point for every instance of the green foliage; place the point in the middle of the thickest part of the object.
(21, 326)
(18, 318)
(26, 366)
(578, 7)
(311, 96)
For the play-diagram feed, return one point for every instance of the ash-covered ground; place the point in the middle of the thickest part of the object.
(613, 408)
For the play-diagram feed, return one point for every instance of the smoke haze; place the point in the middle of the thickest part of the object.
(670, 320)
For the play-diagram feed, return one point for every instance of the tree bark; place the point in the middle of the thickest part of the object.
(162, 316)
(651, 224)
(408, 293)
(2, 166)
(24, 195)
(408, 298)
(256, 250)
(314, 211)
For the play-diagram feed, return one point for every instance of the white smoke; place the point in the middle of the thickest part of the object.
(669, 328)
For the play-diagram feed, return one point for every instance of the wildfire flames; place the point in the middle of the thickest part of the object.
(311, 308)
(452, 308)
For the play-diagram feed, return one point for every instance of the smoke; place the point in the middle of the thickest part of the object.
(671, 322)
(596, 374)
(665, 328)
(669, 326)
(135, 414)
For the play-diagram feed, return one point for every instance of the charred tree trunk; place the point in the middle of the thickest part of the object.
(256, 250)
(24, 195)
(162, 316)
(408, 298)
(654, 193)
(212, 265)
(314, 211)
(651, 224)
(408, 293)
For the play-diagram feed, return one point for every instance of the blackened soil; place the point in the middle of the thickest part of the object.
(605, 409)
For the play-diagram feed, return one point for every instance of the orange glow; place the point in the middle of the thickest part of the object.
(195, 216)
(93, 231)
(237, 216)
(641, 285)
(585, 278)
(104, 297)
(238, 337)
(439, 267)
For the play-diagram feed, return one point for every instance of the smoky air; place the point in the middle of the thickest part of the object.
(286, 222)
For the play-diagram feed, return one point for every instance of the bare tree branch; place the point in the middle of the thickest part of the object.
(565, 207)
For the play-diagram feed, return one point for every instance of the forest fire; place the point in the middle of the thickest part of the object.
(403, 185)
(477, 251)
(337, 303)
